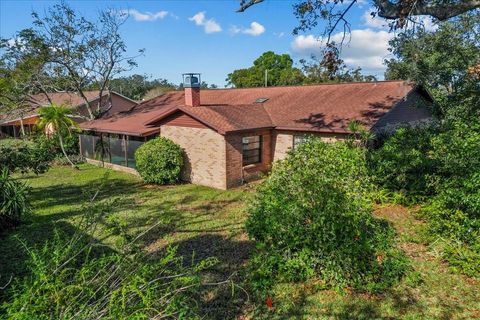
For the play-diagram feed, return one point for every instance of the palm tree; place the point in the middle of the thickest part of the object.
(55, 119)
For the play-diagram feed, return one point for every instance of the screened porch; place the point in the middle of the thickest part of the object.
(117, 149)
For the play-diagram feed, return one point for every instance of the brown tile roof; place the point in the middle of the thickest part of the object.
(322, 108)
(69, 99)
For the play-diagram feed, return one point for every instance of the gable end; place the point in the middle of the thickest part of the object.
(181, 119)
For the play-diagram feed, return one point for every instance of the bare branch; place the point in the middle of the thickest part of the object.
(244, 5)
(341, 18)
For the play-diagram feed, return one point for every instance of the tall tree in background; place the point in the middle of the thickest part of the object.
(443, 61)
(136, 86)
(280, 71)
(331, 68)
(76, 51)
(269, 69)
(22, 72)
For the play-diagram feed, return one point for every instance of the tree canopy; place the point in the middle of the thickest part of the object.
(136, 86)
(445, 61)
(271, 69)
(278, 70)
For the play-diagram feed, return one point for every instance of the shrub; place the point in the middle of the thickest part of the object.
(443, 164)
(403, 163)
(62, 161)
(24, 156)
(70, 143)
(14, 205)
(312, 218)
(454, 214)
(159, 161)
(456, 150)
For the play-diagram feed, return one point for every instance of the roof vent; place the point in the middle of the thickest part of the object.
(261, 100)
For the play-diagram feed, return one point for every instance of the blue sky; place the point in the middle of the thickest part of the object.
(211, 38)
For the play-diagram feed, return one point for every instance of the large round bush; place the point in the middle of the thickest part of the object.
(159, 161)
(312, 218)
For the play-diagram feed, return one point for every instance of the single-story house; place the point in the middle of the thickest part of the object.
(12, 121)
(231, 135)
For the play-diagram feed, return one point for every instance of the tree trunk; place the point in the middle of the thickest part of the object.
(22, 129)
(65, 153)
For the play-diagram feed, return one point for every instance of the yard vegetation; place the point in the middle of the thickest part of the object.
(206, 228)
(384, 229)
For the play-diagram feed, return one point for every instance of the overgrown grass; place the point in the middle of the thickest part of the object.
(205, 222)
(202, 222)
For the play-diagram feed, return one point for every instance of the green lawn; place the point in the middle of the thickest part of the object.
(205, 222)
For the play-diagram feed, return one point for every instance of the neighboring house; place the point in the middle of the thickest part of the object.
(231, 135)
(11, 122)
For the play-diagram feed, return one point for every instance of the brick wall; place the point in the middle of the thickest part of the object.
(192, 97)
(204, 154)
(282, 143)
(233, 159)
(236, 172)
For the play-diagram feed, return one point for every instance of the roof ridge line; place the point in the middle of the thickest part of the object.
(308, 85)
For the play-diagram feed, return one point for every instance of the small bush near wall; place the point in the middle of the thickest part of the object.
(14, 205)
(159, 161)
(312, 218)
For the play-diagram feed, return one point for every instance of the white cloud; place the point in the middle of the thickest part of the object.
(210, 25)
(145, 16)
(255, 29)
(366, 49)
(373, 22)
(279, 34)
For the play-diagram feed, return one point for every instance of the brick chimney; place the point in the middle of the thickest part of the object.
(191, 83)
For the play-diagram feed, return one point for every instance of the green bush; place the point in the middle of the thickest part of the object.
(70, 143)
(404, 164)
(441, 168)
(14, 205)
(312, 218)
(159, 161)
(24, 156)
(454, 215)
(456, 150)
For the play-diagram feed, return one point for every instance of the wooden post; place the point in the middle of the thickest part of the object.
(125, 140)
